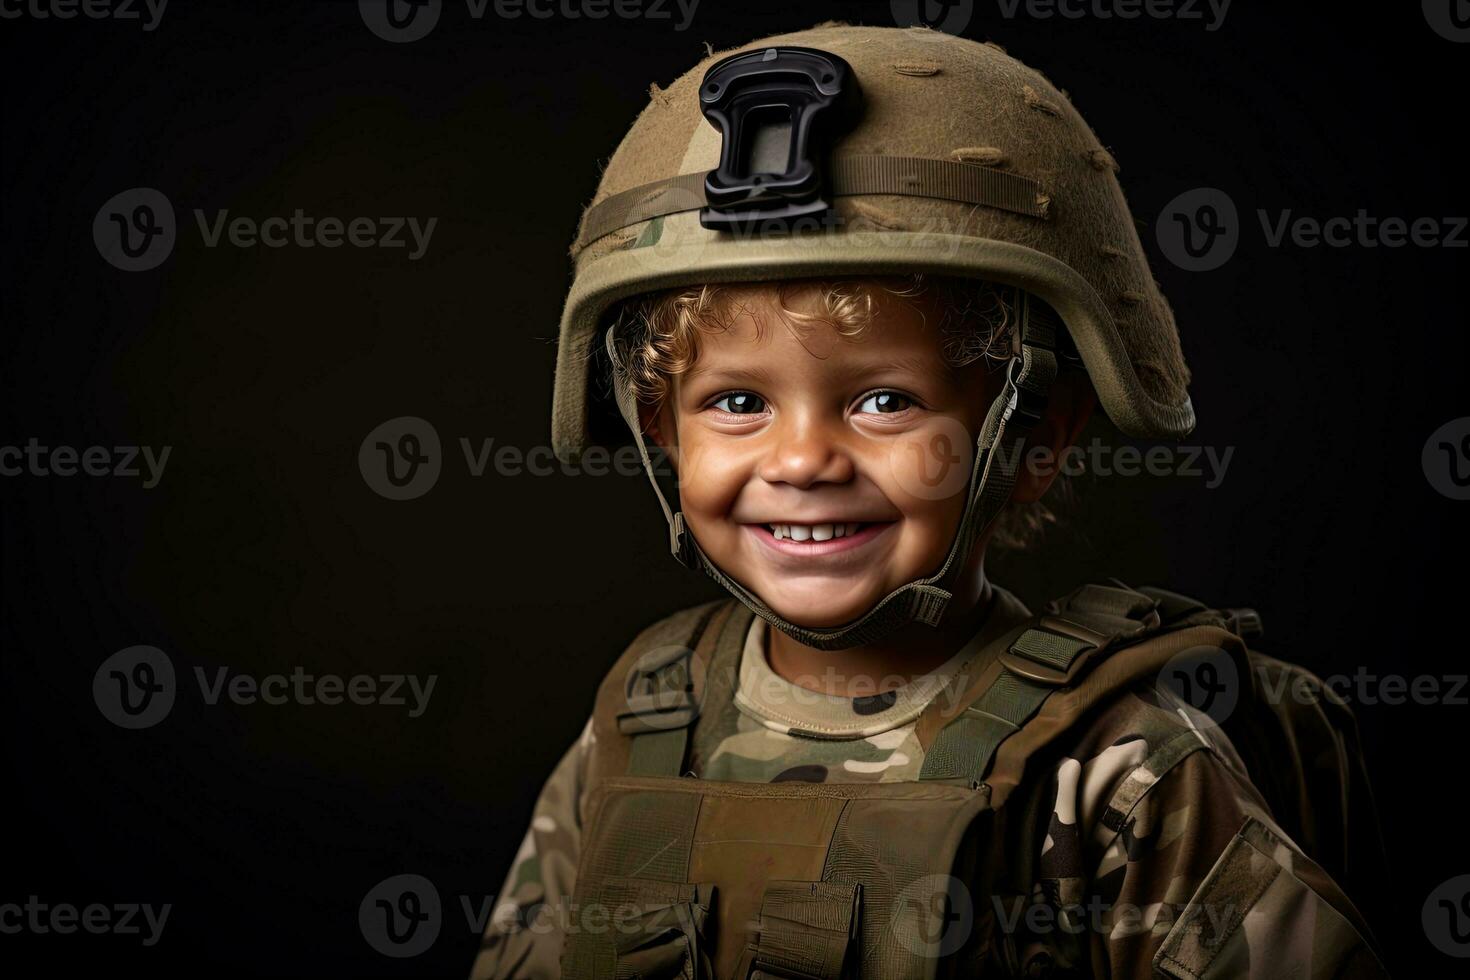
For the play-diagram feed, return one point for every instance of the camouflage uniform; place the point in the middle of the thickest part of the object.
(1132, 842)
(1142, 849)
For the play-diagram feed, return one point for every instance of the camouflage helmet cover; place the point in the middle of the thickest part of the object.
(925, 95)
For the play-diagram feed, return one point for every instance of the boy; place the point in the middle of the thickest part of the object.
(845, 280)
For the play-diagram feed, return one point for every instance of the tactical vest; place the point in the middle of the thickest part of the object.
(695, 878)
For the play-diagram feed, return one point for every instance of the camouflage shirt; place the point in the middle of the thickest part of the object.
(1141, 848)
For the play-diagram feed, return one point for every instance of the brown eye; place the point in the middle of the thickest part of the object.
(741, 403)
(885, 402)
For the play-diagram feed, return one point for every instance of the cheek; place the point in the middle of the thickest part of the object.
(711, 472)
(925, 472)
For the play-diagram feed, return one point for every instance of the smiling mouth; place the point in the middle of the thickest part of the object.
(816, 532)
(819, 540)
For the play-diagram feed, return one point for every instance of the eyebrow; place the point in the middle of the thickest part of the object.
(728, 375)
(909, 362)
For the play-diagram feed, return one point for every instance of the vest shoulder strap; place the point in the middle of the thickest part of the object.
(654, 692)
(1087, 645)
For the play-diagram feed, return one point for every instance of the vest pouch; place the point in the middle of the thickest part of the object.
(806, 931)
(658, 928)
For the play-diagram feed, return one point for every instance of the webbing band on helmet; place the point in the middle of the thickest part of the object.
(947, 180)
(999, 449)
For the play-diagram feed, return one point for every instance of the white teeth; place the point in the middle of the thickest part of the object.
(812, 532)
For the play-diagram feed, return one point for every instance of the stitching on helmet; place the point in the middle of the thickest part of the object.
(1101, 159)
(989, 156)
(916, 68)
(877, 216)
(1036, 102)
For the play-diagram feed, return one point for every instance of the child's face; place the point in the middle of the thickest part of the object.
(802, 426)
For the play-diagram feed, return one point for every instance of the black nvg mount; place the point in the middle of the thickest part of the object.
(779, 111)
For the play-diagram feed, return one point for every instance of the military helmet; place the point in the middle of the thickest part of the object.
(957, 160)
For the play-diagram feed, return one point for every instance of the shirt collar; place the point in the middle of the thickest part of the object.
(786, 707)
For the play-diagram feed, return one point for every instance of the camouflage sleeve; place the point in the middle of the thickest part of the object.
(1195, 881)
(524, 936)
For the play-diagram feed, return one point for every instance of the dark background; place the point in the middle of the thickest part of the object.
(262, 548)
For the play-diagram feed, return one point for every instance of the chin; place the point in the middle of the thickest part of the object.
(818, 609)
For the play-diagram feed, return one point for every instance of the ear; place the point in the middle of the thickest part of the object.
(657, 423)
(1068, 408)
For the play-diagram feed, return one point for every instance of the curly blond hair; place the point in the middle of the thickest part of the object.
(658, 337)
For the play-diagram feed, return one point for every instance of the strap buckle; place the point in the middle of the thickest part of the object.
(1245, 623)
(659, 692)
(1053, 653)
(1028, 400)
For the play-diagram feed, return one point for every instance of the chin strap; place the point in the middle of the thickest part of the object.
(999, 451)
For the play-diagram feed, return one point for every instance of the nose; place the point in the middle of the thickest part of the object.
(804, 454)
